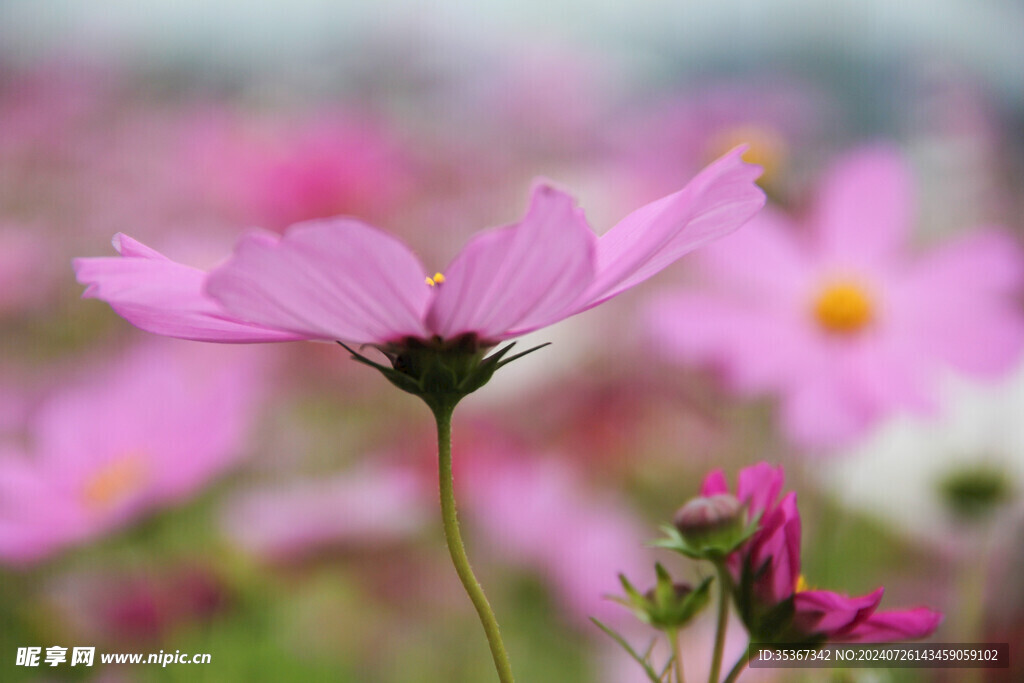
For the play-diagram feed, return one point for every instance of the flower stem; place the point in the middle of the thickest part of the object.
(738, 667)
(443, 415)
(724, 581)
(677, 659)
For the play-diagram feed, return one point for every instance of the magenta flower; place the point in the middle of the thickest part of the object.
(146, 434)
(339, 279)
(844, 324)
(773, 600)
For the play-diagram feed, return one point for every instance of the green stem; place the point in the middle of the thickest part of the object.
(457, 550)
(677, 659)
(973, 575)
(738, 667)
(724, 581)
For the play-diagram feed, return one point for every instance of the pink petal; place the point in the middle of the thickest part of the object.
(35, 519)
(885, 627)
(327, 279)
(163, 297)
(754, 348)
(132, 248)
(775, 550)
(714, 484)
(21, 484)
(763, 260)
(371, 505)
(821, 412)
(983, 261)
(828, 612)
(985, 341)
(864, 210)
(759, 485)
(887, 374)
(518, 278)
(958, 301)
(719, 200)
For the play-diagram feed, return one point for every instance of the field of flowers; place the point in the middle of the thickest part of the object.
(766, 306)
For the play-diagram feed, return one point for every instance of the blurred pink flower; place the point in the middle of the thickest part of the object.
(146, 433)
(538, 514)
(848, 327)
(779, 118)
(27, 275)
(276, 173)
(366, 506)
(774, 601)
(137, 605)
(339, 279)
(44, 110)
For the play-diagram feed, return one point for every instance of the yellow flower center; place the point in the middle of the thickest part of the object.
(115, 481)
(767, 148)
(801, 585)
(436, 280)
(843, 307)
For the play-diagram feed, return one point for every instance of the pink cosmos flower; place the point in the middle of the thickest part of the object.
(844, 324)
(371, 505)
(277, 173)
(339, 279)
(774, 602)
(147, 433)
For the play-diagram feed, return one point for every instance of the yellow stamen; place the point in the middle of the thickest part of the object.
(801, 585)
(436, 280)
(843, 307)
(114, 481)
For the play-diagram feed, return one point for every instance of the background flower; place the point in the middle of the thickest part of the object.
(941, 480)
(187, 124)
(773, 599)
(367, 506)
(148, 432)
(846, 325)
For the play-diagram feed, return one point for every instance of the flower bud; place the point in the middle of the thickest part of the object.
(678, 592)
(708, 514)
(711, 522)
(669, 604)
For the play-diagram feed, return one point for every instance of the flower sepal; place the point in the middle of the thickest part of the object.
(668, 605)
(440, 371)
(714, 543)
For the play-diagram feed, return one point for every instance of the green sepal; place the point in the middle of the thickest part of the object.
(441, 372)
(669, 605)
(714, 548)
(769, 623)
